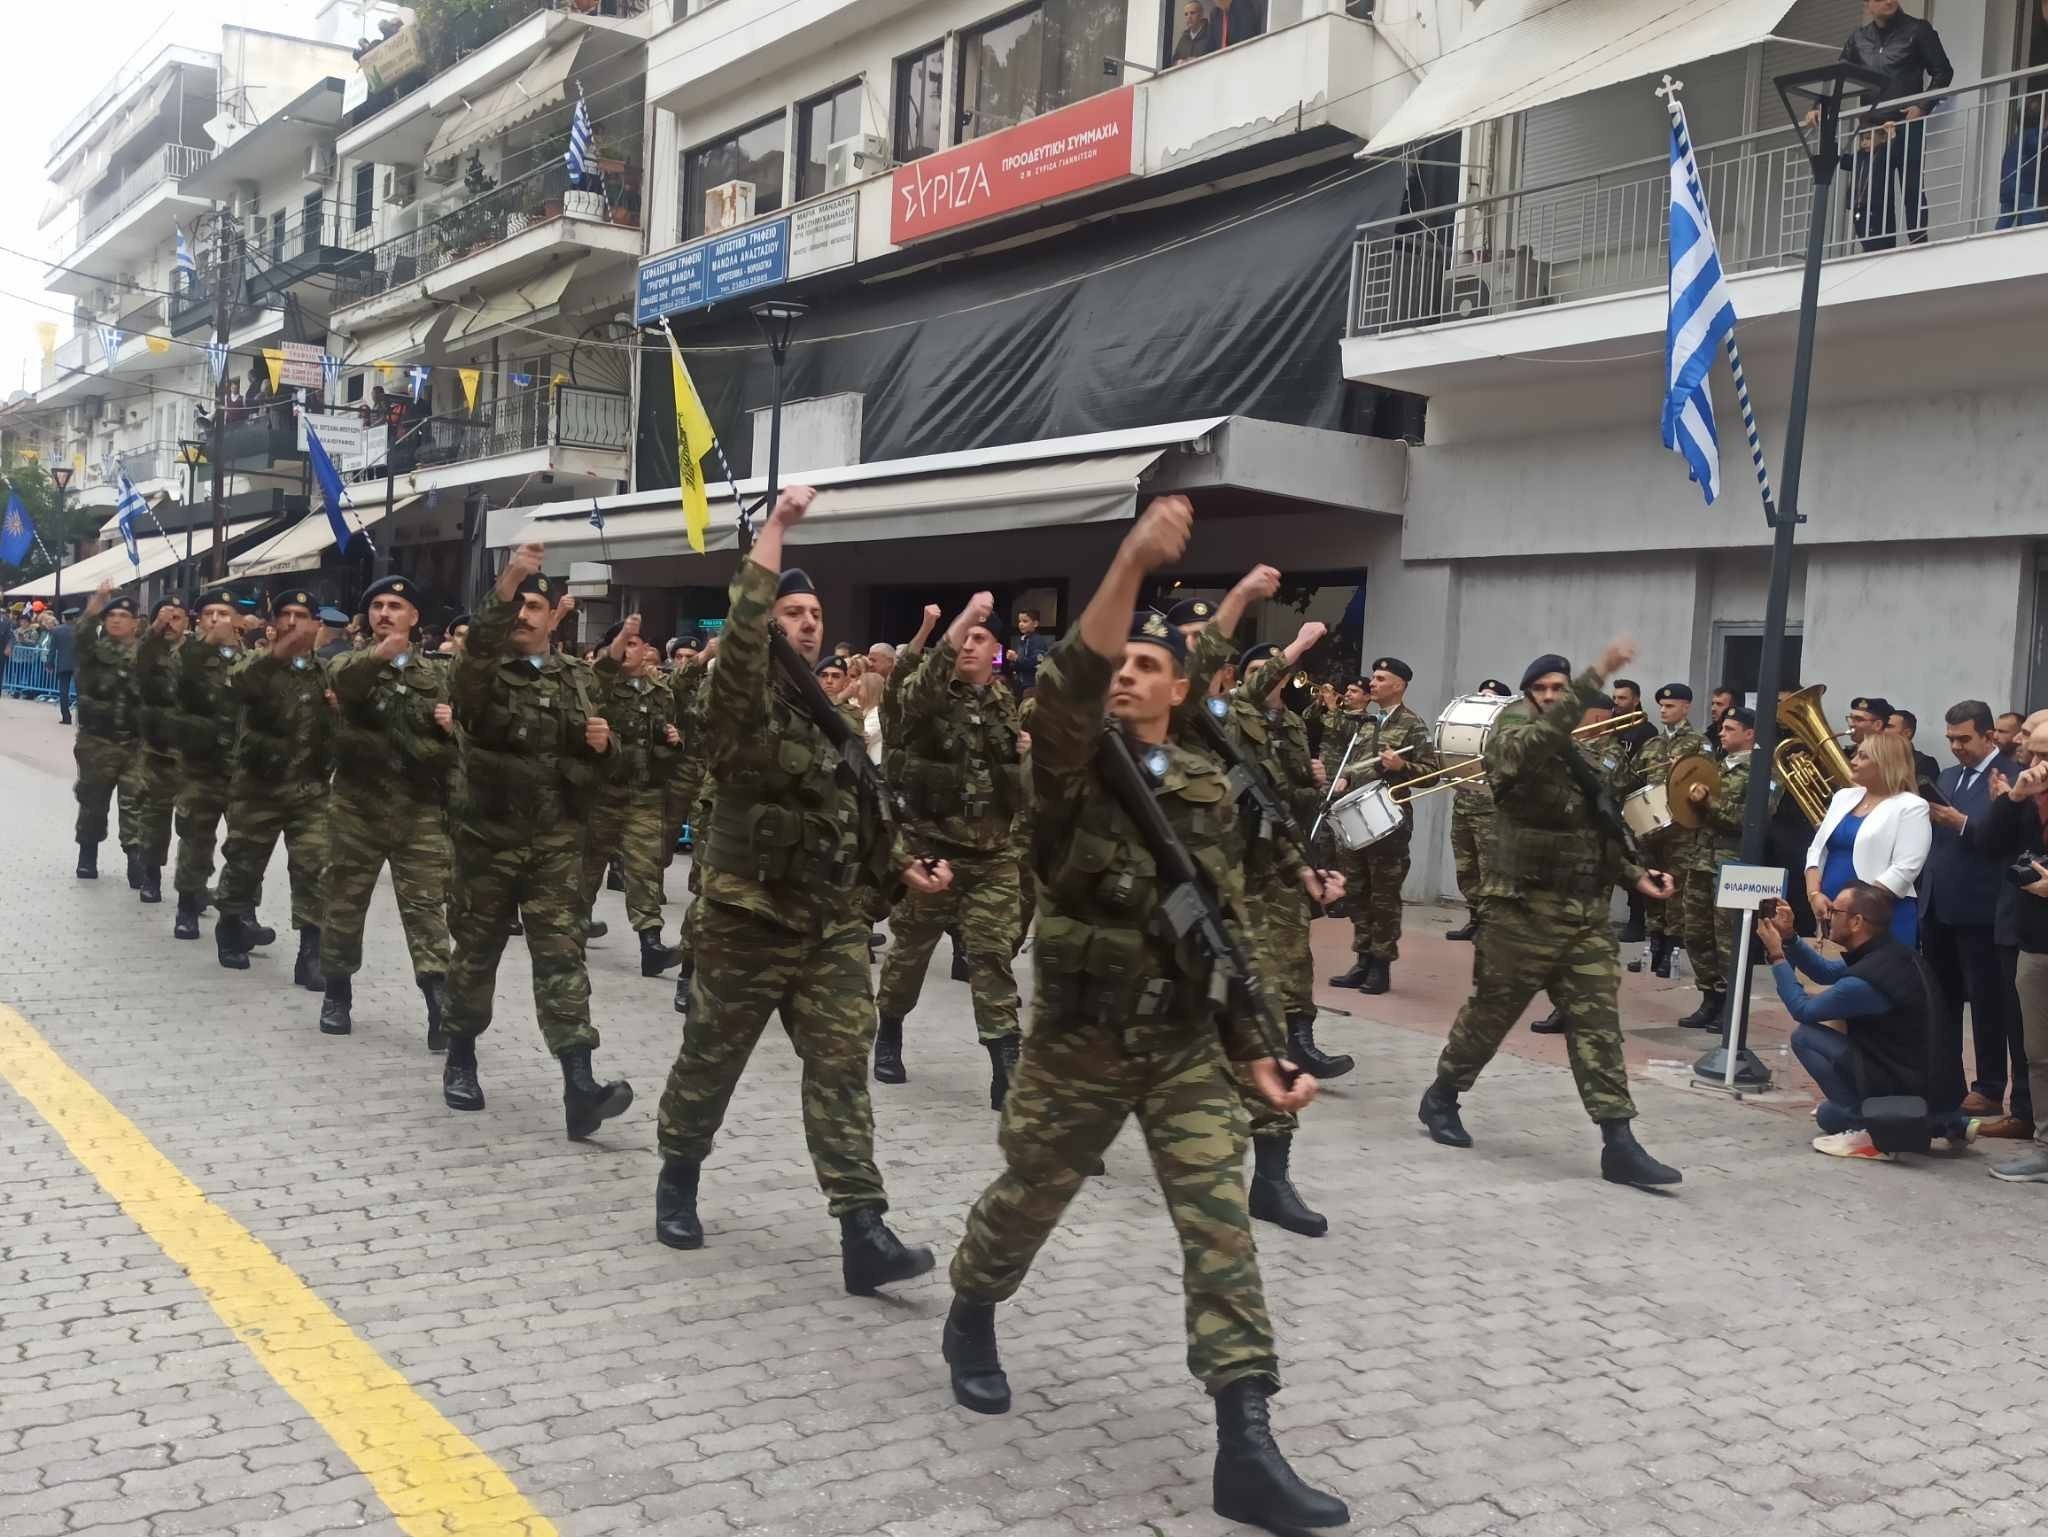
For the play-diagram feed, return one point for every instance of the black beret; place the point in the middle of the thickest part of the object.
(1156, 629)
(541, 585)
(1396, 666)
(1191, 611)
(1874, 704)
(1600, 702)
(1675, 691)
(794, 581)
(832, 664)
(1742, 715)
(294, 597)
(612, 634)
(120, 603)
(457, 622)
(1543, 667)
(1495, 686)
(395, 586)
(224, 597)
(157, 608)
(1257, 653)
(686, 643)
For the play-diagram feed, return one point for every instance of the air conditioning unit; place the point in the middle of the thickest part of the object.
(855, 159)
(320, 163)
(401, 187)
(728, 204)
(1511, 280)
(101, 301)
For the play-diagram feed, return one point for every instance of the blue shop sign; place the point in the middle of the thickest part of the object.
(722, 267)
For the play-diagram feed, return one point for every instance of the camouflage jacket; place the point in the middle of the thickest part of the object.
(955, 758)
(1544, 836)
(1400, 728)
(1652, 765)
(1719, 838)
(206, 721)
(640, 711)
(1264, 852)
(286, 744)
(388, 745)
(108, 702)
(156, 687)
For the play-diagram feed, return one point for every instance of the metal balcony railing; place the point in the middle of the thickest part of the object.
(1975, 160)
(268, 255)
(171, 163)
(565, 417)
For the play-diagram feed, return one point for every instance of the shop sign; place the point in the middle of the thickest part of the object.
(1089, 144)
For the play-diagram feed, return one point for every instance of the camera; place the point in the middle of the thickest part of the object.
(2022, 872)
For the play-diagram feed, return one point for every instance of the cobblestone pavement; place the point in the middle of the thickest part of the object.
(1488, 1341)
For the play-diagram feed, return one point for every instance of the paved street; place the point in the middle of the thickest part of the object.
(1489, 1341)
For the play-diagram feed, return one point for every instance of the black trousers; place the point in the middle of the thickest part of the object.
(2016, 1035)
(1965, 966)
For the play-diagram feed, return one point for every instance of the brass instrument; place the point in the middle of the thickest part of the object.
(1470, 770)
(1809, 761)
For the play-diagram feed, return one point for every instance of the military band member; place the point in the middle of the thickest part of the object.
(534, 753)
(206, 724)
(1136, 1037)
(793, 861)
(106, 746)
(395, 753)
(1628, 699)
(630, 821)
(1396, 748)
(156, 684)
(1719, 703)
(1709, 932)
(1471, 817)
(1555, 859)
(1675, 739)
(1608, 758)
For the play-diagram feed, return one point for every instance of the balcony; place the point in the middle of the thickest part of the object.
(1461, 297)
(154, 180)
(262, 270)
(570, 432)
(83, 358)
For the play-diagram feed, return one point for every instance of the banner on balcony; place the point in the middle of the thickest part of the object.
(157, 344)
(470, 378)
(301, 368)
(419, 374)
(330, 375)
(110, 341)
(273, 361)
(46, 333)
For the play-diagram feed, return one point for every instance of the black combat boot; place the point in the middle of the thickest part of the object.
(1307, 1055)
(969, 1346)
(1382, 978)
(88, 861)
(256, 936)
(683, 989)
(1469, 929)
(614, 876)
(334, 1008)
(306, 969)
(1439, 1113)
(586, 1102)
(871, 1256)
(889, 1050)
(186, 924)
(134, 868)
(1703, 1017)
(434, 988)
(675, 1205)
(1253, 1482)
(1274, 1198)
(960, 972)
(152, 888)
(1550, 1024)
(1002, 1067)
(1634, 931)
(655, 957)
(1357, 976)
(459, 1087)
(231, 941)
(594, 928)
(1623, 1160)
(1660, 955)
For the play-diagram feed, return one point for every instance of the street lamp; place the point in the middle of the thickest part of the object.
(60, 477)
(192, 451)
(777, 319)
(1813, 100)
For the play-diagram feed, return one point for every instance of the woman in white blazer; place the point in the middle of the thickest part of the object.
(1875, 831)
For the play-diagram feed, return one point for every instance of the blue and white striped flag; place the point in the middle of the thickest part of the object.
(580, 153)
(1701, 317)
(419, 373)
(111, 338)
(131, 506)
(330, 376)
(217, 360)
(188, 269)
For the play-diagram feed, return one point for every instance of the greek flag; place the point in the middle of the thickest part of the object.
(217, 360)
(580, 156)
(1701, 318)
(188, 269)
(131, 506)
(330, 376)
(596, 515)
(111, 338)
(419, 373)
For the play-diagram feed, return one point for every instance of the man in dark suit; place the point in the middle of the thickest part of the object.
(1959, 906)
(1906, 724)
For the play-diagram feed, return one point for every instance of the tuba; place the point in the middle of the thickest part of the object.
(1809, 761)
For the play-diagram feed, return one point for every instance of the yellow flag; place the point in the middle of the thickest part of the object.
(693, 441)
(46, 333)
(469, 377)
(158, 344)
(273, 359)
(384, 369)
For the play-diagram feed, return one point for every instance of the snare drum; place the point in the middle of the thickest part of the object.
(1365, 816)
(1648, 811)
(1464, 726)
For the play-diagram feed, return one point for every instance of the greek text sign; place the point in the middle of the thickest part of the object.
(1086, 145)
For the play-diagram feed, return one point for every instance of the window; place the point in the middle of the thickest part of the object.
(355, 388)
(822, 122)
(365, 196)
(920, 83)
(754, 154)
(311, 214)
(1044, 56)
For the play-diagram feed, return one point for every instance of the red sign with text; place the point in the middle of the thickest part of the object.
(1078, 147)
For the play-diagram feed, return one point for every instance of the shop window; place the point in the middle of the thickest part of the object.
(822, 122)
(1036, 59)
(754, 155)
(920, 87)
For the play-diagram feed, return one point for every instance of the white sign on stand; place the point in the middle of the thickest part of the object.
(1743, 889)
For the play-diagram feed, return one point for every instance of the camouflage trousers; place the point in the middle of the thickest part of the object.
(107, 765)
(156, 803)
(1706, 929)
(1027, 892)
(1072, 1092)
(202, 803)
(1470, 820)
(633, 825)
(255, 823)
(539, 883)
(752, 968)
(983, 902)
(1663, 920)
(1543, 942)
(1372, 887)
(362, 837)
(677, 801)
(1278, 908)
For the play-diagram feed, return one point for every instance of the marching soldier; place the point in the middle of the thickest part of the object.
(206, 725)
(632, 810)
(793, 859)
(1557, 852)
(1607, 756)
(1628, 699)
(697, 778)
(283, 760)
(1123, 1024)
(1397, 746)
(534, 752)
(686, 677)
(1471, 818)
(105, 749)
(1717, 841)
(395, 754)
(957, 762)
(156, 684)
(1675, 739)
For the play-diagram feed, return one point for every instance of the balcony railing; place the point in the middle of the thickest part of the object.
(265, 262)
(1976, 156)
(171, 163)
(566, 417)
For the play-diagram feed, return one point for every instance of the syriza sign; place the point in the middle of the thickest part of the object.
(1086, 145)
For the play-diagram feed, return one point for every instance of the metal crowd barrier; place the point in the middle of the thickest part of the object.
(27, 677)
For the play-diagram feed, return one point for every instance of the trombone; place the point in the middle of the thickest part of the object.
(1470, 770)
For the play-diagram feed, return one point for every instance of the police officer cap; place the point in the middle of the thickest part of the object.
(1396, 666)
(540, 584)
(294, 597)
(1543, 667)
(1191, 611)
(1874, 704)
(1156, 629)
(395, 586)
(1743, 716)
(120, 603)
(832, 664)
(1675, 691)
(686, 643)
(1496, 687)
(795, 581)
(458, 622)
(332, 617)
(1254, 654)
(221, 597)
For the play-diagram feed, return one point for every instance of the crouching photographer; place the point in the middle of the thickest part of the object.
(2012, 827)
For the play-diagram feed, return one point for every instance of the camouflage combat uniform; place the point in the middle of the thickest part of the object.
(790, 861)
(631, 816)
(205, 726)
(389, 805)
(1544, 910)
(1123, 1025)
(284, 758)
(686, 775)
(954, 758)
(156, 685)
(106, 749)
(1471, 824)
(1717, 841)
(1373, 875)
(1652, 765)
(529, 780)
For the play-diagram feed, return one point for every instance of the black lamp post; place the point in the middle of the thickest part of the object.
(1813, 100)
(191, 450)
(60, 477)
(777, 319)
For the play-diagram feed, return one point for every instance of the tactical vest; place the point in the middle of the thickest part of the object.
(518, 761)
(961, 761)
(377, 739)
(156, 686)
(107, 700)
(1259, 855)
(287, 730)
(639, 720)
(1543, 834)
(786, 809)
(205, 725)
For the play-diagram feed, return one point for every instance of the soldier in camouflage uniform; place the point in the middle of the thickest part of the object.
(106, 748)
(156, 685)
(1652, 765)
(1123, 1024)
(955, 758)
(205, 723)
(1398, 749)
(794, 853)
(395, 753)
(1557, 852)
(535, 752)
(1717, 841)
(1471, 823)
(283, 759)
(691, 723)
(1607, 756)
(631, 819)
(686, 779)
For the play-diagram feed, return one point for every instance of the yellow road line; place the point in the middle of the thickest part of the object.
(432, 1476)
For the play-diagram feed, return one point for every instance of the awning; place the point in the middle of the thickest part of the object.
(113, 565)
(1543, 50)
(80, 577)
(299, 547)
(542, 84)
(400, 343)
(537, 299)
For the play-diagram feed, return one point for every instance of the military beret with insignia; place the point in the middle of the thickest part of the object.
(395, 587)
(1495, 686)
(1873, 704)
(120, 603)
(794, 581)
(1252, 655)
(156, 609)
(1396, 666)
(1743, 716)
(1154, 628)
(294, 597)
(1191, 611)
(612, 634)
(459, 622)
(832, 664)
(1675, 691)
(686, 643)
(1546, 664)
(220, 597)
(539, 583)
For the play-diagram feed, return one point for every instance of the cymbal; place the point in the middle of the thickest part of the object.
(1686, 773)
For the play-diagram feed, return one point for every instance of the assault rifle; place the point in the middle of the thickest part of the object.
(1248, 782)
(825, 715)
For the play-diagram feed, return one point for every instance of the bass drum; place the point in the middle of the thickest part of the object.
(1463, 728)
(1365, 816)
(1648, 811)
